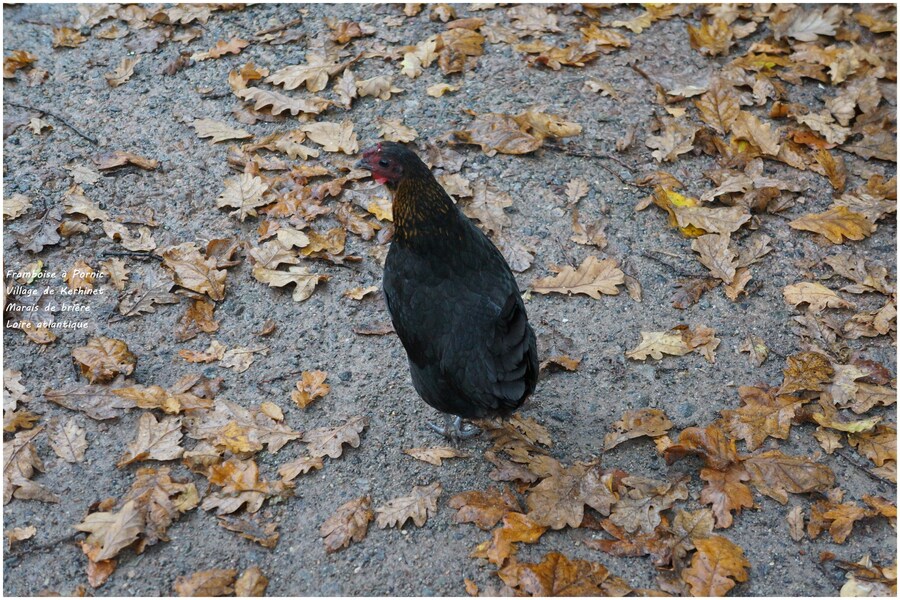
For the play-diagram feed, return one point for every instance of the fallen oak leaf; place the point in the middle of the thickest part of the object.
(245, 193)
(191, 270)
(20, 461)
(304, 464)
(349, 523)
(103, 358)
(110, 532)
(816, 295)
(218, 131)
(233, 46)
(311, 386)
(557, 575)
(592, 278)
(154, 440)
(418, 506)
(252, 582)
(716, 567)
(837, 223)
(650, 422)
(484, 508)
(305, 282)
(775, 474)
(517, 528)
(212, 582)
(251, 528)
(113, 160)
(69, 441)
(559, 499)
(435, 456)
(122, 73)
(326, 441)
(241, 485)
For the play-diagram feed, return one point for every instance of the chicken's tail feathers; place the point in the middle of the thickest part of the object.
(515, 355)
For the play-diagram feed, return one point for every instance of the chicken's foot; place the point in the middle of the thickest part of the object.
(453, 429)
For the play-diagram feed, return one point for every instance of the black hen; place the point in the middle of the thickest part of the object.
(452, 298)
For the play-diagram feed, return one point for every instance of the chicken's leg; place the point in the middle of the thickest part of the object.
(456, 431)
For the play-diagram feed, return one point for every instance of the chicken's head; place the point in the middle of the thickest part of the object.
(390, 162)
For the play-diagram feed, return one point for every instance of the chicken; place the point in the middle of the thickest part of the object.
(453, 300)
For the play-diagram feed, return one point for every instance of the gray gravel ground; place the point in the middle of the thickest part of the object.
(149, 115)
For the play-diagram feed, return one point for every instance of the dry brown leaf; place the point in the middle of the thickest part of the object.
(19, 534)
(65, 37)
(232, 46)
(716, 567)
(711, 38)
(253, 426)
(311, 386)
(122, 73)
(218, 131)
(314, 74)
(349, 523)
(716, 255)
(329, 442)
(559, 499)
(358, 293)
(278, 103)
(519, 134)
(763, 414)
(806, 371)
(111, 532)
(245, 193)
(837, 223)
(154, 440)
(439, 89)
(484, 509)
(676, 139)
(487, 206)
(15, 205)
(719, 107)
(333, 137)
(252, 528)
(295, 468)
(69, 441)
(650, 422)
(878, 445)
(251, 583)
(418, 506)
(305, 282)
(816, 295)
(239, 359)
(641, 500)
(747, 126)
(517, 528)
(241, 486)
(393, 130)
(17, 59)
(775, 474)
(213, 582)
(80, 277)
(103, 358)
(593, 278)
(117, 159)
(191, 270)
(557, 575)
(20, 461)
(434, 456)
(381, 87)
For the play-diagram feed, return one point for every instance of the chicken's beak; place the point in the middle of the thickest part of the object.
(363, 163)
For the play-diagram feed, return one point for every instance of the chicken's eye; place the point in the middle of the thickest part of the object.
(384, 163)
